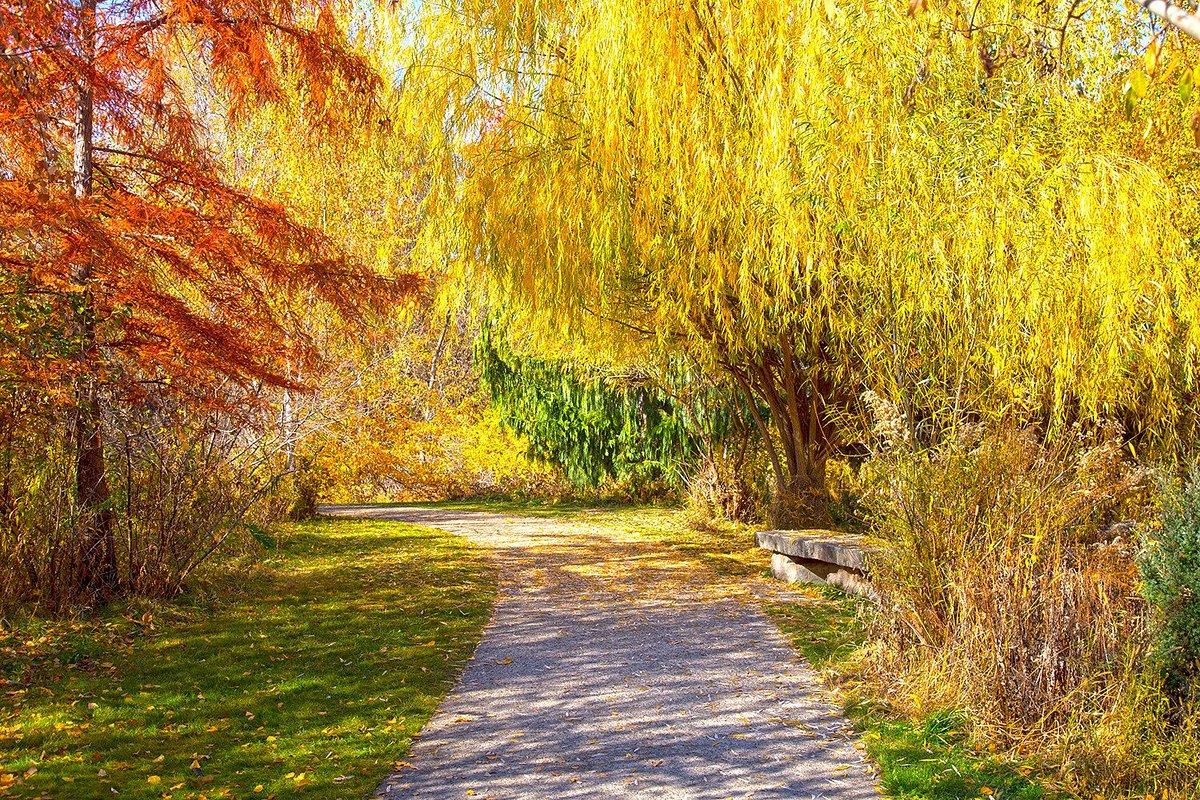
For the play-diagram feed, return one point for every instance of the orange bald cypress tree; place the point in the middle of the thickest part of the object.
(128, 262)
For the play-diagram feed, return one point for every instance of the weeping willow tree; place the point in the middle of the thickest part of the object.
(816, 199)
(596, 424)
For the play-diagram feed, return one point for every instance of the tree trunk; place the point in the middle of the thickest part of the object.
(802, 499)
(288, 423)
(798, 434)
(97, 570)
(438, 352)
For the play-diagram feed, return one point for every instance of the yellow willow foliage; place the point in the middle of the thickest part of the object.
(931, 200)
(359, 186)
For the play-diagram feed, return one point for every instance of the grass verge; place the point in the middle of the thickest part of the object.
(311, 681)
(918, 759)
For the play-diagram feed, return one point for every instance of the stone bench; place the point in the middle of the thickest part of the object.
(819, 556)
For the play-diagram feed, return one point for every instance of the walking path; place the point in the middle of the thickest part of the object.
(610, 668)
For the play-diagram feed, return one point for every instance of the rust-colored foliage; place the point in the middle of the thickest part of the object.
(184, 278)
(131, 267)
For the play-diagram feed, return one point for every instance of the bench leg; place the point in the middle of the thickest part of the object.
(792, 570)
(803, 570)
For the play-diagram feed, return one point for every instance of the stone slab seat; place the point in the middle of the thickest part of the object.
(820, 556)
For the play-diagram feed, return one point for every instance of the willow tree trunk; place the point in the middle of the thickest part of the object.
(798, 433)
(96, 576)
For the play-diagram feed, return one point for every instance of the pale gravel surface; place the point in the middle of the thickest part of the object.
(610, 669)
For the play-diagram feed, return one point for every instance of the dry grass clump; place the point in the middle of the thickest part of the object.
(722, 487)
(1010, 590)
(1131, 747)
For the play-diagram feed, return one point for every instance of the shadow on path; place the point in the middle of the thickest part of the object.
(610, 669)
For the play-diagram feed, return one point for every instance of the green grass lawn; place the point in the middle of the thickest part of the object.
(310, 681)
(312, 672)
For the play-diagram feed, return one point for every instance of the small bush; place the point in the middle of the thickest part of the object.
(1007, 589)
(721, 488)
(184, 487)
(298, 491)
(1131, 749)
(1170, 568)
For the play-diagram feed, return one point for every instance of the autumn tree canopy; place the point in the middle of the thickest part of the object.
(191, 267)
(930, 202)
(128, 262)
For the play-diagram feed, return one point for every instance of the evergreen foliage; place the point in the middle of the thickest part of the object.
(1170, 567)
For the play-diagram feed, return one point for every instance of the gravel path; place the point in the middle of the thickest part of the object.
(612, 669)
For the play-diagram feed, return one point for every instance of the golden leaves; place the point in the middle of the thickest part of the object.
(852, 181)
(1153, 55)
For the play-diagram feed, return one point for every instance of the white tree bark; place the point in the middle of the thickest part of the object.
(1174, 15)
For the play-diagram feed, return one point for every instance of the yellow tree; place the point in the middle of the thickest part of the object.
(818, 199)
(395, 408)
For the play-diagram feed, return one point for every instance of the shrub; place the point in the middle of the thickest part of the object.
(185, 487)
(1170, 569)
(298, 491)
(1130, 748)
(1006, 588)
(723, 486)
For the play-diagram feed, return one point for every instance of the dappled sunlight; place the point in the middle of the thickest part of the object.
(623, 661)
(632, 700)
(341, 649)
(650, 555)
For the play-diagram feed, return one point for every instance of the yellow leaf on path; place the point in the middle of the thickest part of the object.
(258, 789)
(154, 779)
